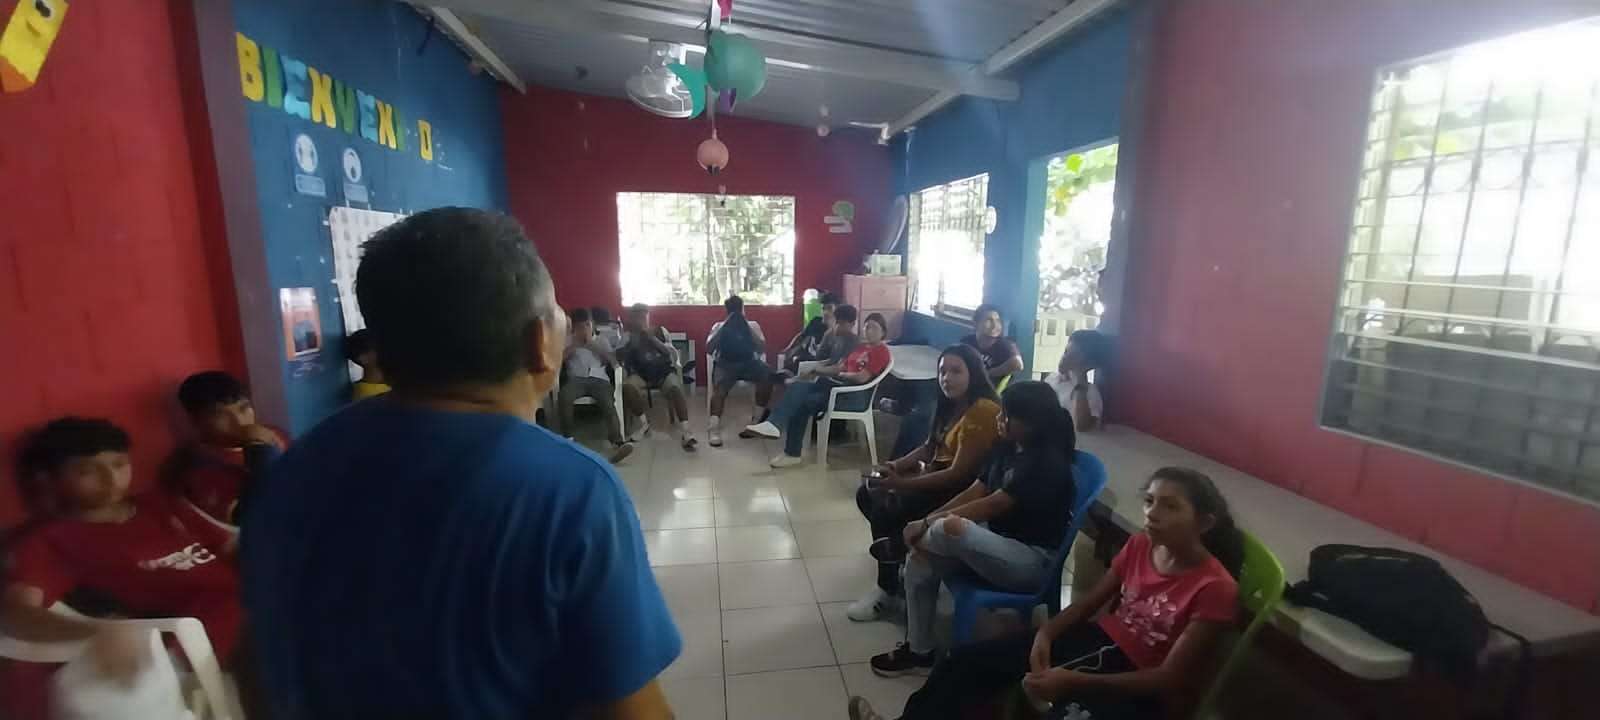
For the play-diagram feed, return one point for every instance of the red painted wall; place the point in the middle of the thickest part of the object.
(1254, 120)
(568, 155)
(112, 285)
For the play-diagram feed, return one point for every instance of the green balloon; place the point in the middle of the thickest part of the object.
(733, 62)
(696, 82)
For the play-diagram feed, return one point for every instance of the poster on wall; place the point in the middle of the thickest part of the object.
(349, 228)
(302, 324)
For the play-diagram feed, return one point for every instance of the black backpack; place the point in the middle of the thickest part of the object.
(1410, 601)
(735, 343)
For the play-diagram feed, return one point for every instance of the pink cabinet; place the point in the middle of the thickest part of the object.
(883, 294)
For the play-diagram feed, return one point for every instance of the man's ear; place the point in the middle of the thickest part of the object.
(537, 337)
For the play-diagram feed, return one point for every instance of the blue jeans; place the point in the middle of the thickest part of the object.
(1006, 563)
(801, 402)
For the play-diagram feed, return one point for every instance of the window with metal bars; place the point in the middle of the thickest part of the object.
(694, 249)
(1468, 318)
(948, 227)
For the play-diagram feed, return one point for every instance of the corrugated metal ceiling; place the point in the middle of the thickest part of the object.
(595, 45)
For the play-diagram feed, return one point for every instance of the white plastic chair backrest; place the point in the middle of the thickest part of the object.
(189, 632)
(80, 690)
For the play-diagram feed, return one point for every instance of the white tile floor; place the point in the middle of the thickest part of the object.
(757, 566)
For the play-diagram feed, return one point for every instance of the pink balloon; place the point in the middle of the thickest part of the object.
(712, 154)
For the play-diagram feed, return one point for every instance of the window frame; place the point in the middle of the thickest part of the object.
(1339, 350)
(710, 200)
(939, 308)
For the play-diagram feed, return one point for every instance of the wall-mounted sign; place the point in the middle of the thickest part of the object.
(844, 213)
(306, 181)
(298, 89)
(302, 324)
(354, 191)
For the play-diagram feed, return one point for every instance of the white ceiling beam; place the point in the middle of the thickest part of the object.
(782, 48)
(476, 47)
(1053, 27)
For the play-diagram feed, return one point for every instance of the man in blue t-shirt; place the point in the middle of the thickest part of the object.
(432, 553)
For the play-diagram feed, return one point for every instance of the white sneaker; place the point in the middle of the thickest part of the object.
(786, 461)
(641, 429)
(765, 429)
(872, 606)
(714, 436)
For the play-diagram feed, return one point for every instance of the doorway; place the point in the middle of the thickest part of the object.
(1078, 208)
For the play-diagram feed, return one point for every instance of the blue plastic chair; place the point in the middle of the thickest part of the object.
(973, 594)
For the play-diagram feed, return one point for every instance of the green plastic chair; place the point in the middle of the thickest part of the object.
(1260, 590)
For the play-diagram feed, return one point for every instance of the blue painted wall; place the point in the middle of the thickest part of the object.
(1072, 96)
(371, 45)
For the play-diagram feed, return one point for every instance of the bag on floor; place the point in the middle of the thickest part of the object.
(1402, 598)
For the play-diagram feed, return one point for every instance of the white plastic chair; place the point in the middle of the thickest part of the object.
(863, 416)
(213, 700)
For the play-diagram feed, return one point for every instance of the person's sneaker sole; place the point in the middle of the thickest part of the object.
(917, 670)
(621, 453)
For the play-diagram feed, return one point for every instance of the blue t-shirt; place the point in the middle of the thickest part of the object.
(409, 563)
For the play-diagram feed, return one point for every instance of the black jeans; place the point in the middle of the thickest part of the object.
(888, 513)
(984, 671)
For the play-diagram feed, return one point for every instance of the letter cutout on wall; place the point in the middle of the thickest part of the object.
(273, 74)
(26, 39)
(344, 105)
(296, 88)
(399, 130)
(250, 80)
(322, 98)
(386, 125)
(425, 140)
(369, 115)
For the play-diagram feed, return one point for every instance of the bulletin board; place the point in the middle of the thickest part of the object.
(350, 227)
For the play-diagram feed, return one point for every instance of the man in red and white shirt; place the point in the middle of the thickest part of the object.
(149, 555)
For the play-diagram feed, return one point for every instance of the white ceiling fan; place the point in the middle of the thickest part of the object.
(656, 88)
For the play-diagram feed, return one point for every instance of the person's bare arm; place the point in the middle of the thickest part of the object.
(649, 703)
(24, 616)
(987, 506)
(1178, 672)
(961, 470)
(1007, 368)
(1080, 610)
(922, 453)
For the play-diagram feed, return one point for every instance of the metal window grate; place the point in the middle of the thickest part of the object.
(1468, 320)
(947, 238)
(694, 249)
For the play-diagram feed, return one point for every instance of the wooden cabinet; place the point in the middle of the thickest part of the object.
(883, 294)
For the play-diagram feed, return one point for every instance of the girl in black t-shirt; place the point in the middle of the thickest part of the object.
(1005, 527)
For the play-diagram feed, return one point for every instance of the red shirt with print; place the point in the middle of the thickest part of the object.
(1156, 608)
(164, 561)
(871, 359)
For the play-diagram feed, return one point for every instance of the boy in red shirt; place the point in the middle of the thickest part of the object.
(803, 400)
(146, 554)
(232, 450)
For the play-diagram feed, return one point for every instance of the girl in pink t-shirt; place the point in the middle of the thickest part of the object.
(1176, 596)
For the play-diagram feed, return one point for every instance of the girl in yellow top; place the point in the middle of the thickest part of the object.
(965, 427)
(358, 348)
